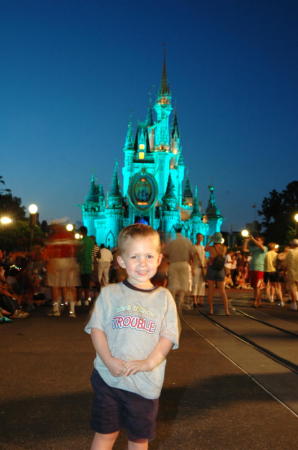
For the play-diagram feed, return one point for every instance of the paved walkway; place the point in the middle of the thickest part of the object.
(207, 401)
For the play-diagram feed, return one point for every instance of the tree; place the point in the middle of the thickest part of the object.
(3, 182)
(11, 206)
(278, 211)
(17, 236)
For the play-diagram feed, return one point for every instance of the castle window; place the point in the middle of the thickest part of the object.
(141, 155)
(141, 147)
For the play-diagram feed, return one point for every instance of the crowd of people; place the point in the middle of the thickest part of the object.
(70, 272)
(66, 272)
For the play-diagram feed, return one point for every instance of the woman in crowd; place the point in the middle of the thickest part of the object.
(216, 272)
(273, 287)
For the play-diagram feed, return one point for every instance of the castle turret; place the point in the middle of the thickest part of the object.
(92, 196)
(90, 207)
(128, 151)
(114, 196)
(169, 200)
(163, 110)
(187, 193)
(213, 214)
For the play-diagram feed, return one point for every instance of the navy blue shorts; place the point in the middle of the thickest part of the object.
(115, 409)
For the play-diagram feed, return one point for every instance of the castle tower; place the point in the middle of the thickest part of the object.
(213, 214)
(91, 208)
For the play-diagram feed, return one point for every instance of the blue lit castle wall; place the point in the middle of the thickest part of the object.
(155, 189)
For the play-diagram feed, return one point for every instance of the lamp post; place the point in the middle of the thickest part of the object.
(33, 209)
(296, 222)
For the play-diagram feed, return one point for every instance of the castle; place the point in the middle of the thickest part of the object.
(155, 188)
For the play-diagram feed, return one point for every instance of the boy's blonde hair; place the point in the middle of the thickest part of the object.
(136, 230)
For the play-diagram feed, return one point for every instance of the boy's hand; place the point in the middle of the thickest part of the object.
(133, 367)
(117, 367)
(157, 355)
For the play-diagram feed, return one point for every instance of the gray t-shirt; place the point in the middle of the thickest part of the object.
(133, 321)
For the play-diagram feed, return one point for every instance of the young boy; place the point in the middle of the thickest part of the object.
(133, 327)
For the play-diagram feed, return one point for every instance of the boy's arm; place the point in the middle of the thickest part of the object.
(116, 366)
(157, 355)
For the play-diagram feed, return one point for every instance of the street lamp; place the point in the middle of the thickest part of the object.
(5, 220)
(33, 209)
(69, 227)
(245, 233)
(296, 222)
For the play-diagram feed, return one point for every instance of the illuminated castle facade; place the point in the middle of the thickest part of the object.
(155, 188)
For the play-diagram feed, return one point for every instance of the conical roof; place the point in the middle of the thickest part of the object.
(93, 191)
(115, 189)
(212, 210)
(129, 137)
(164, 86)
(187, 192)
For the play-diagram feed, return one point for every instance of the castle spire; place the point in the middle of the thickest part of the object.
(212, 211)
(129, 137)
(169, 200)
(164, 87)
(187, 192)
(175, 128)
(115, 189)
(93, 191)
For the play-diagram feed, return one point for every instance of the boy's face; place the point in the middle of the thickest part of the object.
(141, 258)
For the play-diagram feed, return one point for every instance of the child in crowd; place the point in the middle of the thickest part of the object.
(133, 327)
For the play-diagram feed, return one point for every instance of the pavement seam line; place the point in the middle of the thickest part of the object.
(244, 371)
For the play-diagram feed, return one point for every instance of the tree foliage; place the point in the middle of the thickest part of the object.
(3, 182)
(19, 236)
(11, 206)
(278, 211)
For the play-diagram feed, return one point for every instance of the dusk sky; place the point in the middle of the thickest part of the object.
(74, 72)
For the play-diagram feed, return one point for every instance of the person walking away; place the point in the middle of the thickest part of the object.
(216, 271)
(104, 264)
(85, 260)
(292, 273)
(199, 272)
(62, 269)
(255, 246)
(271, 276)
(133, 327)
(281, 269)
(179, 253)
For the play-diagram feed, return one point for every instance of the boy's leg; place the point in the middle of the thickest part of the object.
(141, 444)
(104, 441)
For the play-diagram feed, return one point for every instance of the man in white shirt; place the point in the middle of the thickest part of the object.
(292, 273)
(179, 253)
(199, 270)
